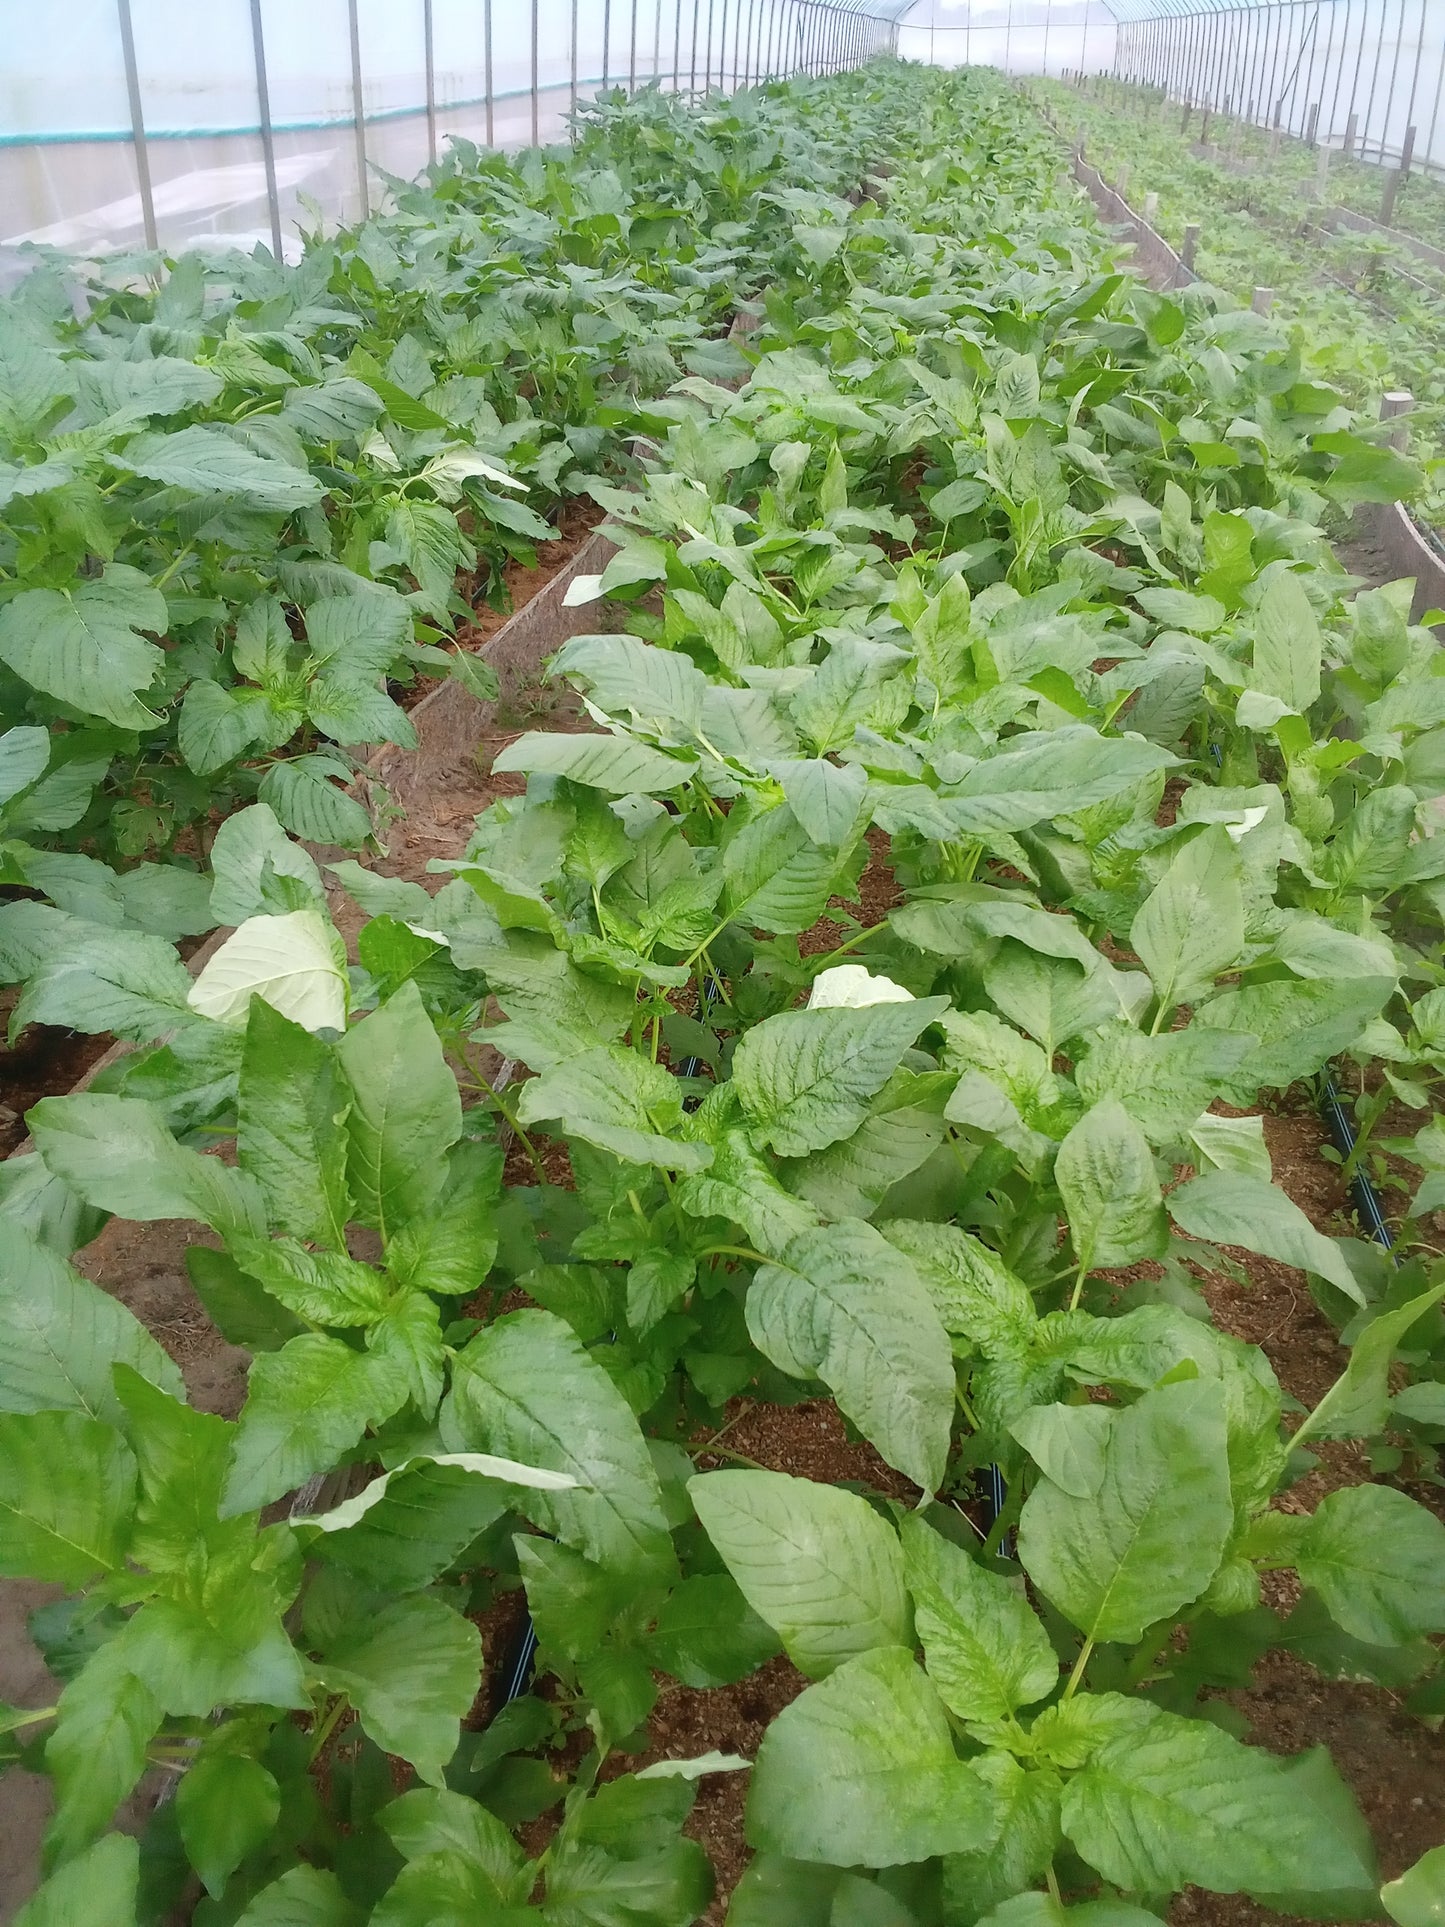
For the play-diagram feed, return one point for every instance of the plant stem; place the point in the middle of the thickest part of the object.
(1077, 1292)
(1085, 1655)
(485, 1083)
(322, 1733)
(859, 936)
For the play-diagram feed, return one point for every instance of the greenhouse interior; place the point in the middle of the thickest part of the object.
(722, 948)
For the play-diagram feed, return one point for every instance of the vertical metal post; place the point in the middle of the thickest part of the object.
(1374, 82)
(722, 48)
(572, 70)
(536, 124)
(137, 125)
(429, 53)
(692, 76)
(268, 139)
(1390, 90)
(632, 52)
(357, 110)
(606, 43)
(707, 56)
(487, 57)
(1395, 178)
(1339, 65)
(1415, 67)
(677, 47)
(1435, 109)
(737, 43)
(656, 41)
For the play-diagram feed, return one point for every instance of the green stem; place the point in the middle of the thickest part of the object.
(1085, 1655)
(1078, 1290)
(321, 1734)
(735, 1251)
(485, 1083)
(860, 936)
(164, 577)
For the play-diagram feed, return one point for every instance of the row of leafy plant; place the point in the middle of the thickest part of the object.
(244, 505)
(1000, 577)
(1368, 315)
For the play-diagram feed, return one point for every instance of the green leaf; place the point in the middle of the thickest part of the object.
(1176, 1802)
(412, 1672)
(1299, 1027)
(1191, 925)
(525, 1389)
(1357, 1405)
(1417, 1898)
(775, 877)
(617, 765)
(861, 1771)
(321, 1287)
(253, 861)
(707, 1634)
(116, 1153)
(292, 1104)
(973, 1290)
(83, 645)
(97, 980)
(217, 725)
(842, 1304)
(816, 1563)
(303, 1897)
(105, 1721)
(825, 797)
(405, 1115)
(1028, 1839)
(67, 1494)
(618, 1100)
(227, 1806)
(24, 754)
(1288, 646)
(1106, 1178)
(450, 1249)
(305, 1406)
(1051, 773)
(805, 1077)
(1377, 1560)
(1224, 1207)
(302, 791)
(983, 1647)
(97, 1887)
(60, 1335)
(1149, 1540)
(208, 459)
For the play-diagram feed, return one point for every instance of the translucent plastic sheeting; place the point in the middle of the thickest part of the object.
(1361, 76)
(1017, 36)
(161, 122)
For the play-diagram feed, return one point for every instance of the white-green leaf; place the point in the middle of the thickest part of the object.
(84, 645)
(983, 1647)
(1191, 925)
(208, 459)
(1288, 647)
(296, 963)
(617, 765)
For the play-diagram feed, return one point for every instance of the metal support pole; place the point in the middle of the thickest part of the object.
(737, 42)
(677, 47)
(656, 41)
(429, 48)
(572, 68)
(536, 123)
(632, 52)
(487, 54)
(1415, 74)
(357, 110)
(268, 139)
(606, 43)
(137, 125)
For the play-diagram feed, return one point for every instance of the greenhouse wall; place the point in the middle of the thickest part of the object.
(1361, 76)
(135, 122)
(1031, 37)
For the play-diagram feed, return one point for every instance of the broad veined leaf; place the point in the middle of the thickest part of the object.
(1299, 1026)
(525, 1389)
(1225, 1207)
(842, 1304)
(302, 790)
(84, 645)
(1106, 1178)
(412, 1672)
(1417, 1898)
(296, 963)
(291, 1137)
(117, 1154)
(303, 1897)
(1377, 1560)
(816, 1563)
(1357, 1405)
(860, 1771)
(305, 1405)
(96, 1752)
(405, 1112)
(258, 870)
(1288, 647)
(67, 1492)
(617, 765)
(60, 1336)
(776, 877)
(208, 460)
(1149, 1540)
(226, 1806)
(1177, 1802)
(618, 1100)
(95, 979)
(449, 1250)
(24, 754)
(660, 688)
(1166, 1082)
(431, 1820)
(1191, 925)
(97, 1887)
(1051, 774)
(983, 1647)
(825, 797)
(805, 1076)
(974, 1292)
